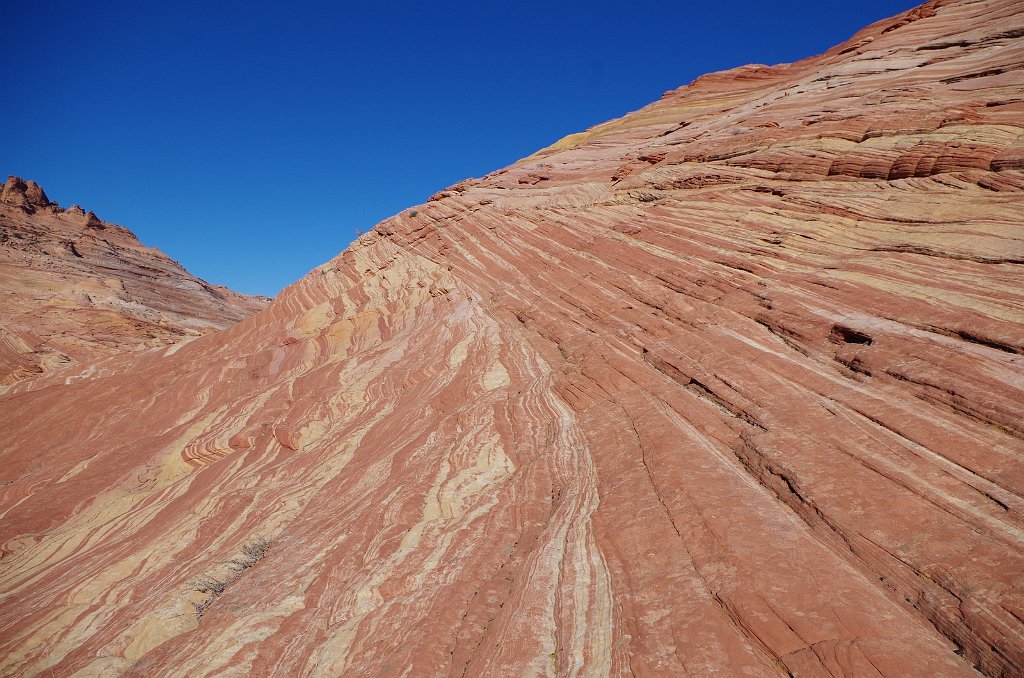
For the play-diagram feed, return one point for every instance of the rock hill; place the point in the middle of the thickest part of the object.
(730, 386)
(74, 288)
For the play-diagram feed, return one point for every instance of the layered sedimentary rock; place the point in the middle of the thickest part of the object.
(74, 288)
(730, 386)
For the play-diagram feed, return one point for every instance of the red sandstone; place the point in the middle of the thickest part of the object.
(74, 288)
(730, 386)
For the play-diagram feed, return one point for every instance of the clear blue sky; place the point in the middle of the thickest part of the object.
(250, 140)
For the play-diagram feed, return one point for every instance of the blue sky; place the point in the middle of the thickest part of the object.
(251, 140)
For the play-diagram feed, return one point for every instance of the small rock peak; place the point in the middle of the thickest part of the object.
(925, 11)
(126, 233)
(13, 189)
(746, 71)
(36, 195)
(93, 221)
(25, 194)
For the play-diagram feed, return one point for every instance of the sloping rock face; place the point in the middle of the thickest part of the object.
(74, 288)
(730, 386)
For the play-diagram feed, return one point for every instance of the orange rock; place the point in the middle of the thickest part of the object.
(75, 288)
(733, 414)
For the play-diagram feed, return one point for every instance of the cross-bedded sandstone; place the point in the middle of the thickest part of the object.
(730, 386)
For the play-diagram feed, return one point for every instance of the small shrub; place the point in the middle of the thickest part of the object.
(253, 552)
(207, 584)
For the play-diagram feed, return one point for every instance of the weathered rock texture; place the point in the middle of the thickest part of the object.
(74, 288)
(730, 386)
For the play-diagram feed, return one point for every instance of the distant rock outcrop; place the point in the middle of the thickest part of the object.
(74, 288)
(25, 194)
(730, 386)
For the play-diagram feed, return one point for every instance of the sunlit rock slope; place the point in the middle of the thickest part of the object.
(74, 288)
(731, 386)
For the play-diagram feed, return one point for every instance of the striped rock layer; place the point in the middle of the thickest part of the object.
(74, 288)
(730, 386)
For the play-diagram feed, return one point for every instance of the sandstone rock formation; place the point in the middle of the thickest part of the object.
(730, 386)
(74, 288)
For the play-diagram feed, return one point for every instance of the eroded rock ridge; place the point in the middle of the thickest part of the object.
(74, 288)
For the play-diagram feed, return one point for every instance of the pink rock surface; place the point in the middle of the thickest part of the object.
(74, 288)
(729, 386)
